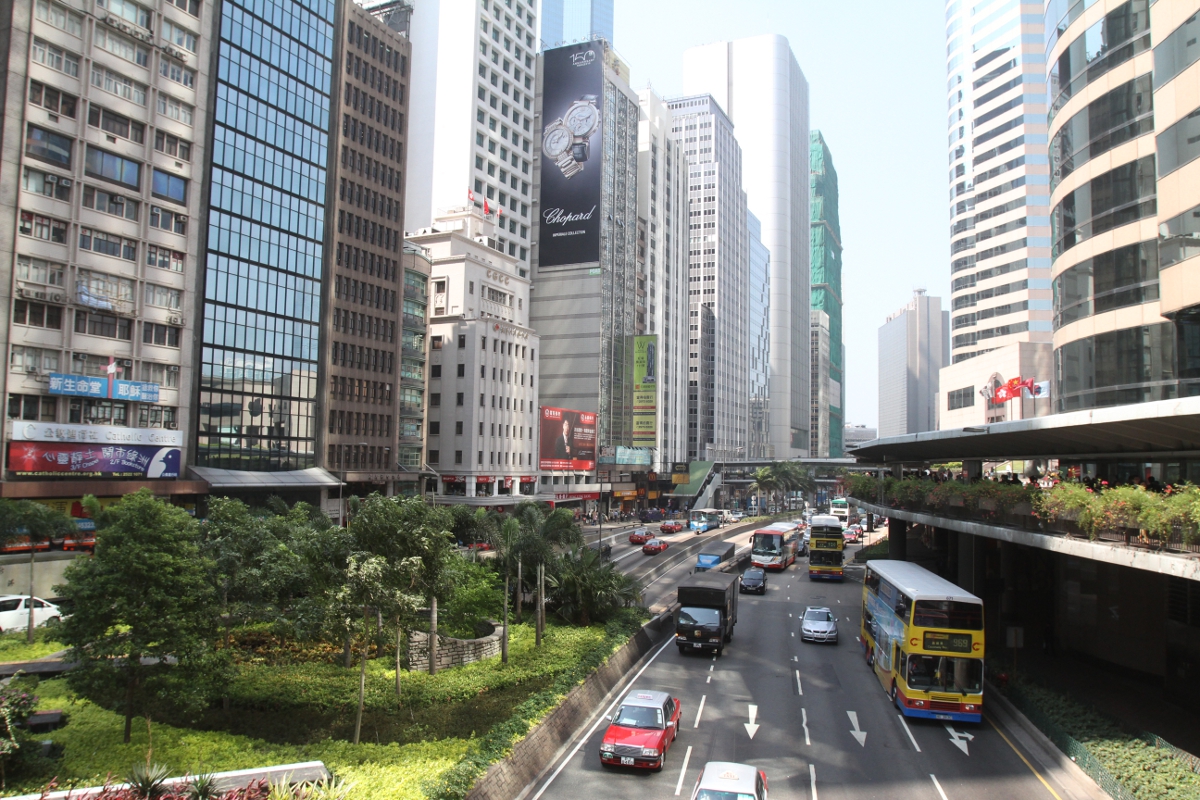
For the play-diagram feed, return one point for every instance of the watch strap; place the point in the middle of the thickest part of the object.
(567, 163)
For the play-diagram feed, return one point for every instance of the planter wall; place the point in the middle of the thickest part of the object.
(452, 652)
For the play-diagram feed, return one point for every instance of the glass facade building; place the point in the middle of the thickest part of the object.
(826, 286)
(261, 305)
(758, 363)
(575, 20)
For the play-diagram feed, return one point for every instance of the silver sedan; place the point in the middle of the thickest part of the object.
(818, 625)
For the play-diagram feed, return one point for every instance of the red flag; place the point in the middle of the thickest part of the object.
(499, 212)
(470, 195)
(486, 210)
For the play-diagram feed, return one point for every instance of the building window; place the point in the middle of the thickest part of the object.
(174, 109)
(108, 244)
(190, 6)
(462, 371)
(47, 184)
(435, 399)
(40, 227)
(458, 400)
(960, 398)
(55, 57)
(167, 220)
(157, 417)
(110, 166)
(53, 100)
(163, 297)
(435, 371)
(35, 270)
(32, 407)
(458, 456)
(118, 84)
(173, 146)
(435, 428)
(48, 146)
(163, 374)
(163, 258)
(121, 47)
(165, 335)
(106, 325)
(117, 125)
(180, 37)
(462, 341)
(107, 202)
(174, 71)
(127, 10)
(33, 359)
(433, 457)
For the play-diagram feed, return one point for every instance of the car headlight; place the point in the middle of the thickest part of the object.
(649, 751)
(606, 748)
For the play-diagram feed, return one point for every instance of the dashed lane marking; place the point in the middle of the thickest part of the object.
(804, 723)
(700, 710)
(911, 738)
(812, 779)
(938, 786)
(687, 756)
(799, 686)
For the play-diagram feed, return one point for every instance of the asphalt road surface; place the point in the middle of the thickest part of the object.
(825, 728)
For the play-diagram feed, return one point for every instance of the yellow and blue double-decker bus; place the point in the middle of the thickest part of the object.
(826, 546)
(923, 636)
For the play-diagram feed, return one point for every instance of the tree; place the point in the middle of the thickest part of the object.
(588, 588)
(507, 542)
(764, 481)
(543, 533)
(145, 612)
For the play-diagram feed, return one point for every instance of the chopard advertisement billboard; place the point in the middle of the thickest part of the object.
(572, 148)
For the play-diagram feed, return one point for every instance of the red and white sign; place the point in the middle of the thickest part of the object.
(528, 479)
(577, 496)
(453, 479)
(485, 479)
(508, 482)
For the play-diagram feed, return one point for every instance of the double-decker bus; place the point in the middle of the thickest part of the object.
(825, 545)
(775, 546)
(840, 507)
(704, 519)
(923, 636)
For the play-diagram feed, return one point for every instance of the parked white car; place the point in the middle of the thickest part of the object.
(14, 613)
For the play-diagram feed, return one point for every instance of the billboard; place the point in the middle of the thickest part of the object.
(645, 390)
(572, 102)
(37, 459)
(568, 439)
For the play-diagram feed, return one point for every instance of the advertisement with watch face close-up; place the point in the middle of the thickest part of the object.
(572, 92)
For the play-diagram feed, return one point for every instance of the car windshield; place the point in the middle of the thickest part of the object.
(699, 616)
(639, 717)
(715, 794)
(753, 575)
(653, 542)
(812, 615)
(942, 673)
(10, 605)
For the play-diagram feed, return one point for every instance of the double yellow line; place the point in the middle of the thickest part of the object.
(1025, 760)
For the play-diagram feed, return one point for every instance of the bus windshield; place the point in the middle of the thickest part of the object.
(942, 673)
(825, 558)
(951, 614)
(767, 544)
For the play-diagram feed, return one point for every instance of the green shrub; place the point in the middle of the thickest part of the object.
(13, 646)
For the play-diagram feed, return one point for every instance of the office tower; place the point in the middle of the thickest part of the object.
(913, 346)
(759, 359)
(565, 21)
(471, 124)
(1124, 139)
(585, 269)
(104, 114)
(374, 304)
(762, 90)
(483, 403)
(702, 325)
(829, 396)
(999, 204)
(662, 290)
(718, 273)
(259, 354)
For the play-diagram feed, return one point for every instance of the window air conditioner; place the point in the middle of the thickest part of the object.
(58, 297)
(31, 370)
(51, 179)
(126, 363)
(66, 182)
(171, 426)
(173, 368)
(175, 320)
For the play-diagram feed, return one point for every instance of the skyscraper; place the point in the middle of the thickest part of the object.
(565, 21)
(101, 187)
(662, 250)
(999, 200)
(828, 398)
(718, 276)
(759, 331)
(762, 90)
(266, 239)
(913, 347)
(471, 123)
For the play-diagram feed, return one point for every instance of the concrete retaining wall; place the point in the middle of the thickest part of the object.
(48, 568)
(452, 652)
(504, 780)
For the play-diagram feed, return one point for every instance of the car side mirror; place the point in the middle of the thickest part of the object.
(608, 717)
(671, 722)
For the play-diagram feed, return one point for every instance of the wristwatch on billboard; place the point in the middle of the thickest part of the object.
(556, 144)
(582, 119)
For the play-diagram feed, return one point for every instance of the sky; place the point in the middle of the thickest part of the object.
(883, 114)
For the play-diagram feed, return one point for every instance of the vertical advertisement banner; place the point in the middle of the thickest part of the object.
(572, 148)
(645, 390)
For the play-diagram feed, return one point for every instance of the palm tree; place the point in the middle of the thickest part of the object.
(507, 540)
(587, 588)
(543, 534)
(765, 480)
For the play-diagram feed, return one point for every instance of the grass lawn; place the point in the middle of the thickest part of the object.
(14, 648)
(301, 712)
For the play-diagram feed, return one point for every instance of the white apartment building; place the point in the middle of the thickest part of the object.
(482, 420)
(100, 203)
(763, 92)
(999, 183)
(471, 116)
(718, 277)
(662, 209)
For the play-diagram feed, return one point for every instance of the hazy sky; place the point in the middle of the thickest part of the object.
(883, 113)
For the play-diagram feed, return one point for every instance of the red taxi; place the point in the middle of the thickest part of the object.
(654, 547)
(639, 536)
(641, 731)
(671, 526)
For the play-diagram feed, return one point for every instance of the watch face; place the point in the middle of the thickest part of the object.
(582, 119)
(556, 140)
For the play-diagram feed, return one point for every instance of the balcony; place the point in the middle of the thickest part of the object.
(413, 322)
(412, 410)
(413, 352)
(414, 293)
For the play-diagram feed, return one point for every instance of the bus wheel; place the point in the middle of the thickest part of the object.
(894, 698)
(870, 657)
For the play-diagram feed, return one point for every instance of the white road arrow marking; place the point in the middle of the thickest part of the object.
(959, 738)
(751, 728)
(860, 736)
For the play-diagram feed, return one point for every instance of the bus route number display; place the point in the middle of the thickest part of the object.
(948, 642)
(825, 544)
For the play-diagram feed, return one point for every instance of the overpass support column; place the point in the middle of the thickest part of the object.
(950, 540)
(897, 539)
(1008, 569)
(966, 561)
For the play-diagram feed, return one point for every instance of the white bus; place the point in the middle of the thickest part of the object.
(840, 508)
(704, 519)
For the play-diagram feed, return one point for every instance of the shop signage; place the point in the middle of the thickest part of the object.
(105, 388)
(577, 496)
(95, 434)
(38, 459)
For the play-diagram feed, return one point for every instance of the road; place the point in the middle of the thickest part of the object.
(826, 728)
